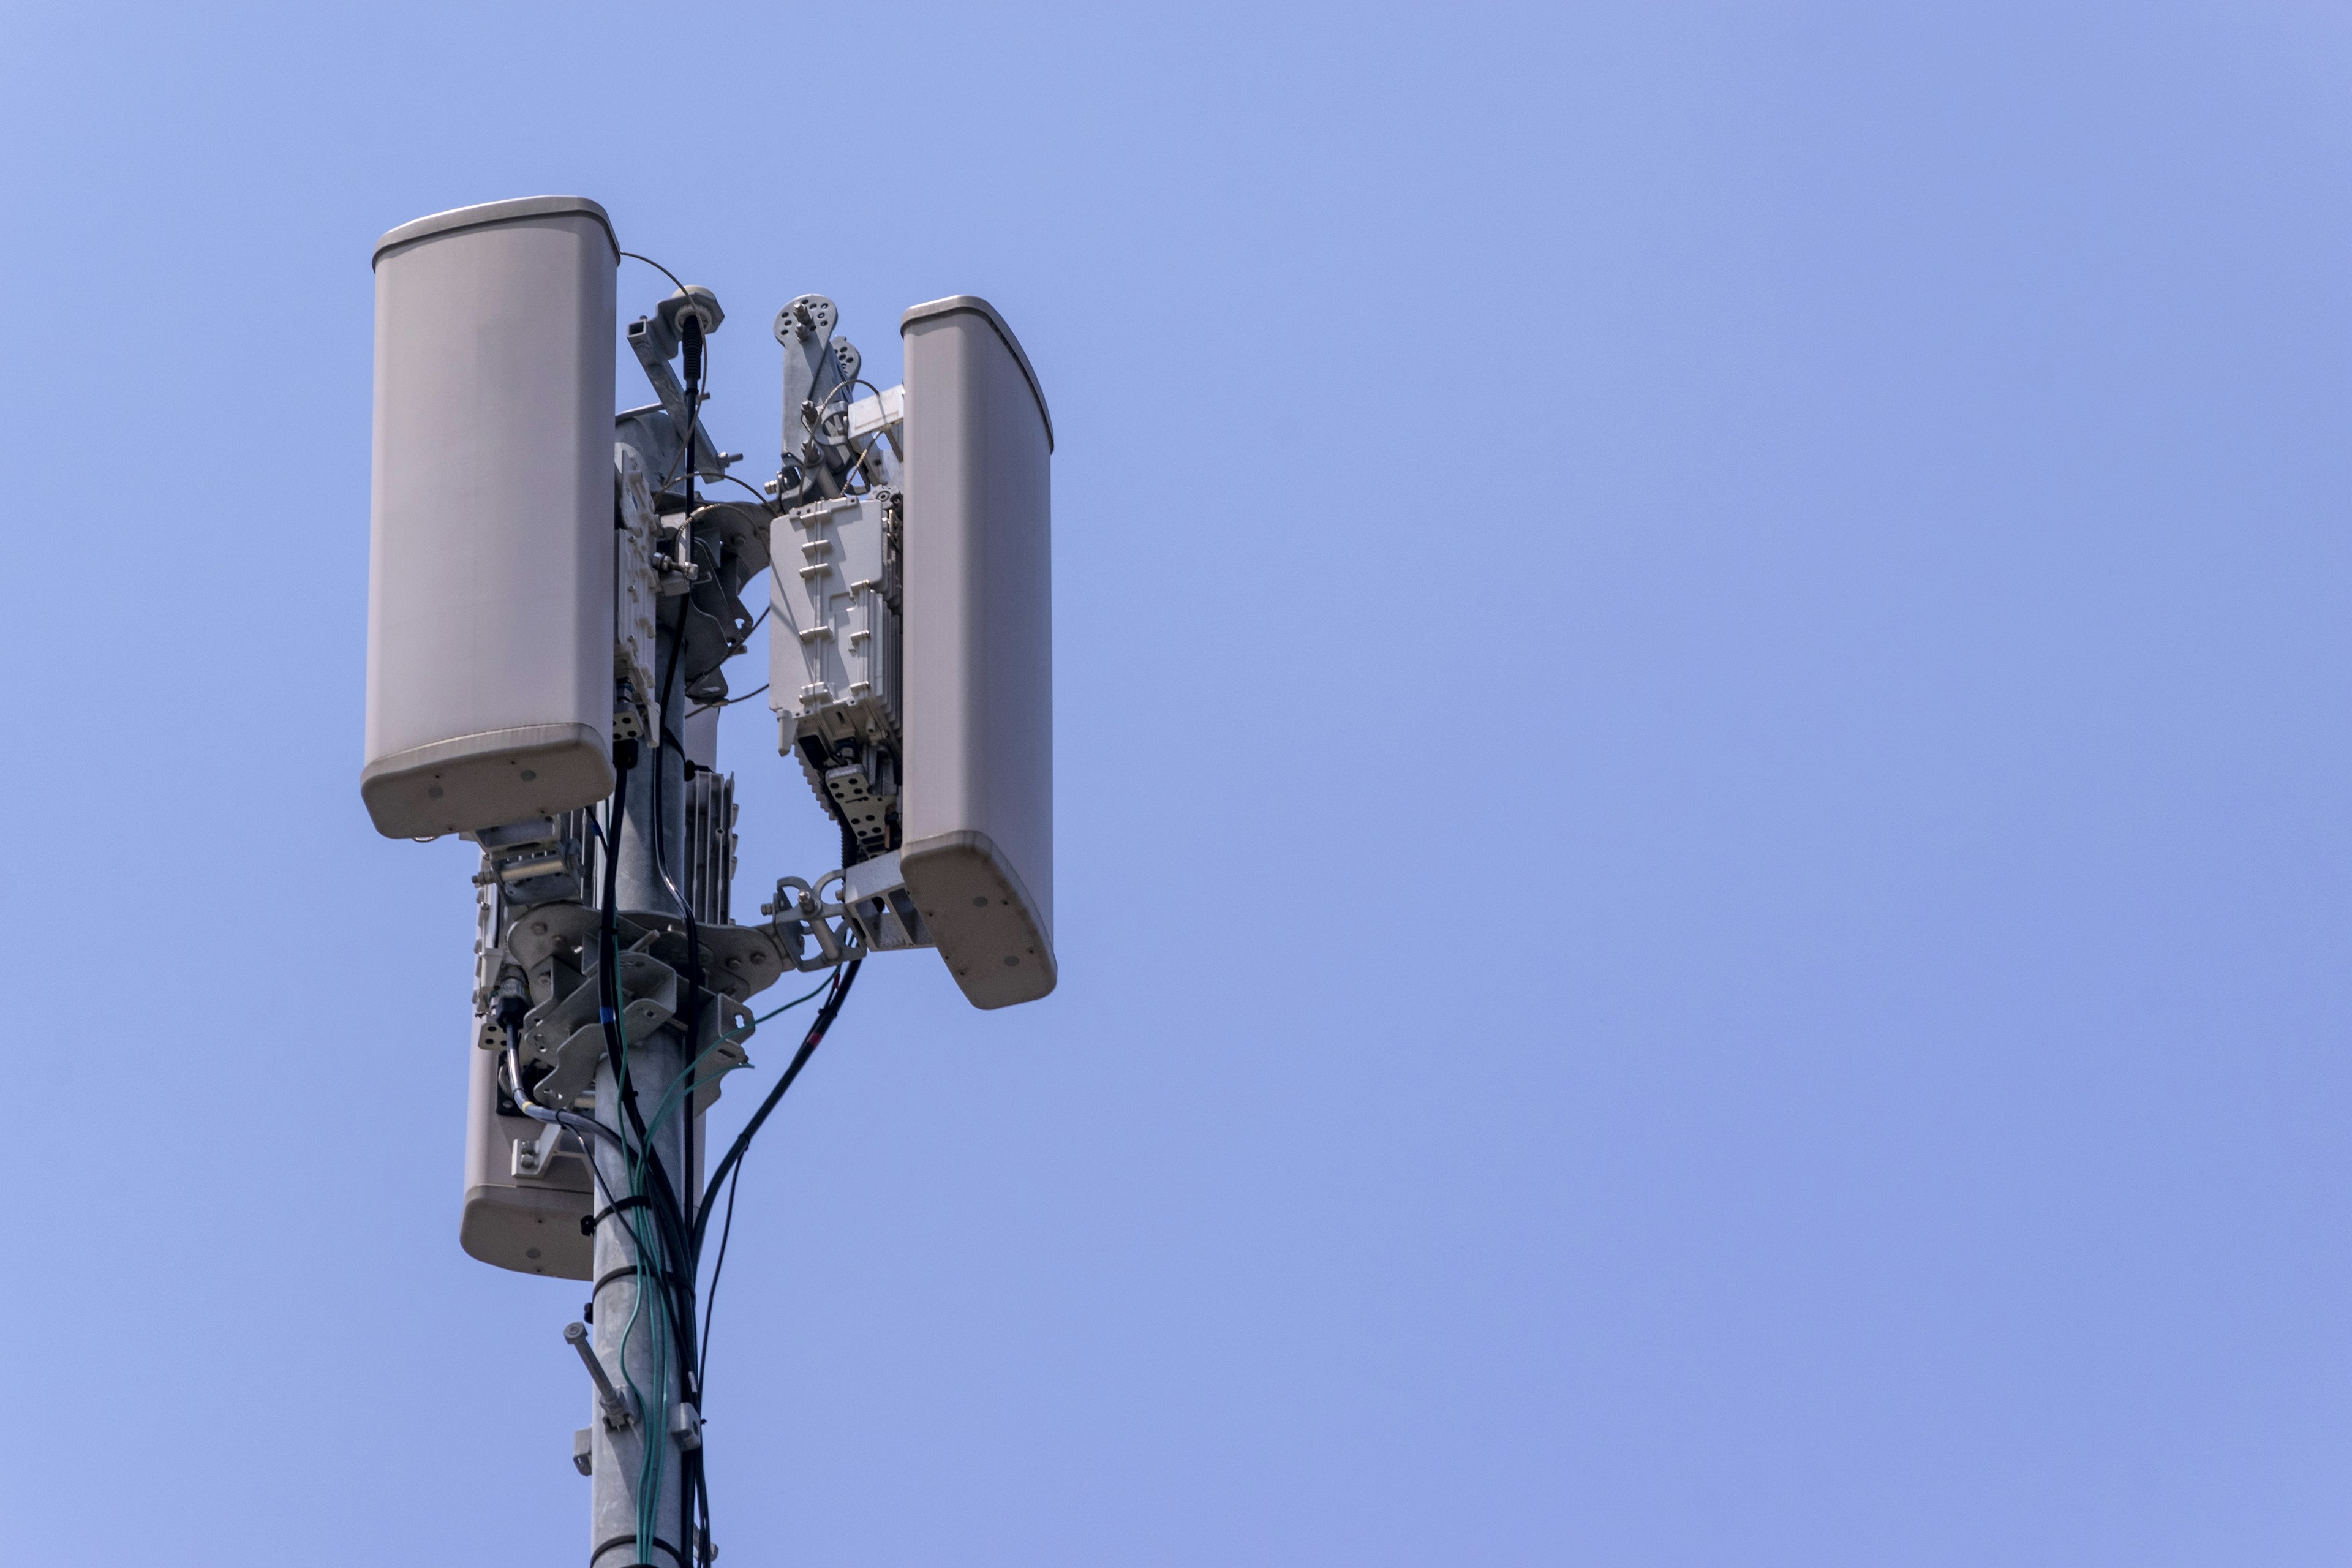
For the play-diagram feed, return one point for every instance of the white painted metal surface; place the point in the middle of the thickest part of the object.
(978, 809)
(490, 570)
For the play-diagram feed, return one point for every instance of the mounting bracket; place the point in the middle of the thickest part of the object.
(869, 911)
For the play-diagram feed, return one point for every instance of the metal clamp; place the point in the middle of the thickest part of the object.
(873, 913)
(686, 1425)
(532, 1156)
(531, 861)
(619, 1405)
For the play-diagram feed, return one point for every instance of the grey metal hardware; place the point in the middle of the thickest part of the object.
(686, 1425)
(556, 700)
(619, 1405)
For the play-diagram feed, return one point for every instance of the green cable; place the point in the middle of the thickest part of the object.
(656, 1449)
(635, 1167)
(657, 1409)
(669, 1102)
(653, 1458)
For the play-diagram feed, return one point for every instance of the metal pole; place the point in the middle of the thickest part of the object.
(625, 1311)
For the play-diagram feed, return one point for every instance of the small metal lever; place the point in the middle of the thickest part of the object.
(619, 1408)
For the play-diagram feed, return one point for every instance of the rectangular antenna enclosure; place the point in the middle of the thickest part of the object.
(527, 1187)
(521, 1212)
(977, 812)
(489, 670)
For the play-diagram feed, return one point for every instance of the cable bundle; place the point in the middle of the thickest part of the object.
(667, 1248)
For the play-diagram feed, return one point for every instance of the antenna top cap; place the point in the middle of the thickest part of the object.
(695, 300)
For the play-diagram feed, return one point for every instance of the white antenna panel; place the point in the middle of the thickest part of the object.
(490, 561)
(978, 815)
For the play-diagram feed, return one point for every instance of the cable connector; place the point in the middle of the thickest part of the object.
(619, 1405)
(512, 1003)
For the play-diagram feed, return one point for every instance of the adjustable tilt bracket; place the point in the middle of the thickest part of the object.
(875, 913)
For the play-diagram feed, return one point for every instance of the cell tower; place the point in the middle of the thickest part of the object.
(554, 596)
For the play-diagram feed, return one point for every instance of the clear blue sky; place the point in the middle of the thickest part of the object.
(1704, 792)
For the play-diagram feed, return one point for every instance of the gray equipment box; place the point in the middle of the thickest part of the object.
(978, 808)
(489, 684)
(834, 656)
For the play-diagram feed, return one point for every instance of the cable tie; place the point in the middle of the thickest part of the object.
(631, 1542)
(588, 1222)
